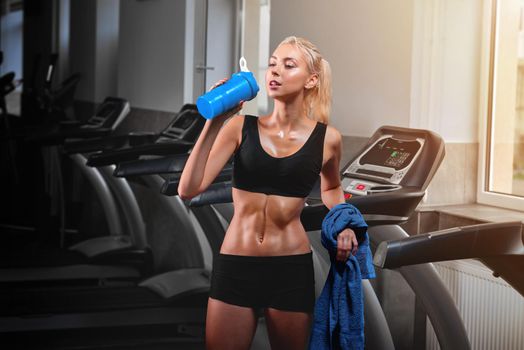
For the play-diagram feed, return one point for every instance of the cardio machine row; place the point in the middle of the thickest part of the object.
(161, 267)
(141, 157)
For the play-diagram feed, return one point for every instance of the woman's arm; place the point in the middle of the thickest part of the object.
(214, 147)
(331, 190)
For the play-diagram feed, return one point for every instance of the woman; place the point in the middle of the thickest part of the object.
(265, 261)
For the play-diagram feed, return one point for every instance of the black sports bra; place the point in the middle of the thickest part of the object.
(255, 170)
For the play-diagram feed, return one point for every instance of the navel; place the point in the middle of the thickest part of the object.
(260, 237)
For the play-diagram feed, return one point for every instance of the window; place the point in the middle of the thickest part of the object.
(502, 106)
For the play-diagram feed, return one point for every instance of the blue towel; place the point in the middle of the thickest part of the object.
(339, 311)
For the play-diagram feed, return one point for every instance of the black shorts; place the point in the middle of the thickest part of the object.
(280, 282)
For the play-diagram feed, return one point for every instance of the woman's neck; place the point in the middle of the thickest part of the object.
(288, 114)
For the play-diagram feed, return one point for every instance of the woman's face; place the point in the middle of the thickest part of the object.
(287, 73)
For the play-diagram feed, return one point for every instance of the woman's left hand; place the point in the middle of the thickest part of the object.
(346, 244)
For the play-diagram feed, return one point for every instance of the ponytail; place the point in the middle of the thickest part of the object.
(319, 100)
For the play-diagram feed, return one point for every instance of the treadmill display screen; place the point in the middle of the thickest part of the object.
(107, 109)
(391, 153)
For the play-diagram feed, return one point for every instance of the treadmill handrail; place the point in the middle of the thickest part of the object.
(111, 142)
(133, 153)
(499, 246)
(219, 192)
(465, 242)
(57, 135)
(429, 287)
(94, 144)
(164, 165)
(312, 215)
(214, 194)
(377, 209)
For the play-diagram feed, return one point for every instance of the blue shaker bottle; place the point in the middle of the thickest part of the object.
(242, 86)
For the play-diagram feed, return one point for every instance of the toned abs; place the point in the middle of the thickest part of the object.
(265, 225)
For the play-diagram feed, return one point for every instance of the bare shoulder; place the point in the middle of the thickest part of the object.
(235, 121)
(234, 124)
(232, 128)
(333, 139)
(332, 145)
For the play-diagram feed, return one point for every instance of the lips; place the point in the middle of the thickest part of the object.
(274, 83)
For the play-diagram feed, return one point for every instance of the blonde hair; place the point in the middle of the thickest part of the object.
(317, 100)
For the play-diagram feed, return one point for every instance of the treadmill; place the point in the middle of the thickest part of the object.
(386, 180)
(174, 140)
(90, 259)
(121, 256)
(178, 137)
(168, 301)
(389, 201)
(108, 116)
(499, 246)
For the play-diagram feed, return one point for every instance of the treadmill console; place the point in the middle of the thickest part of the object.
(109, 114)
(185, 126)
(382, 165)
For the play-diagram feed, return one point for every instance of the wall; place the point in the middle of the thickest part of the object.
(93, 49)
(189, 51)
(37, 45)
(220, 51)
(63, 39)
(368, 44)
(445, 91)
(107, 37)
(446, 68)
(405, 63)
(151, 54)
(83, 47)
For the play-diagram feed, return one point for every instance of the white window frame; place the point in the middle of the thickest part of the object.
(484, 196)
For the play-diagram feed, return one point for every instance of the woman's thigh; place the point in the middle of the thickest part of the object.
(288, 329)
(229, 326)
